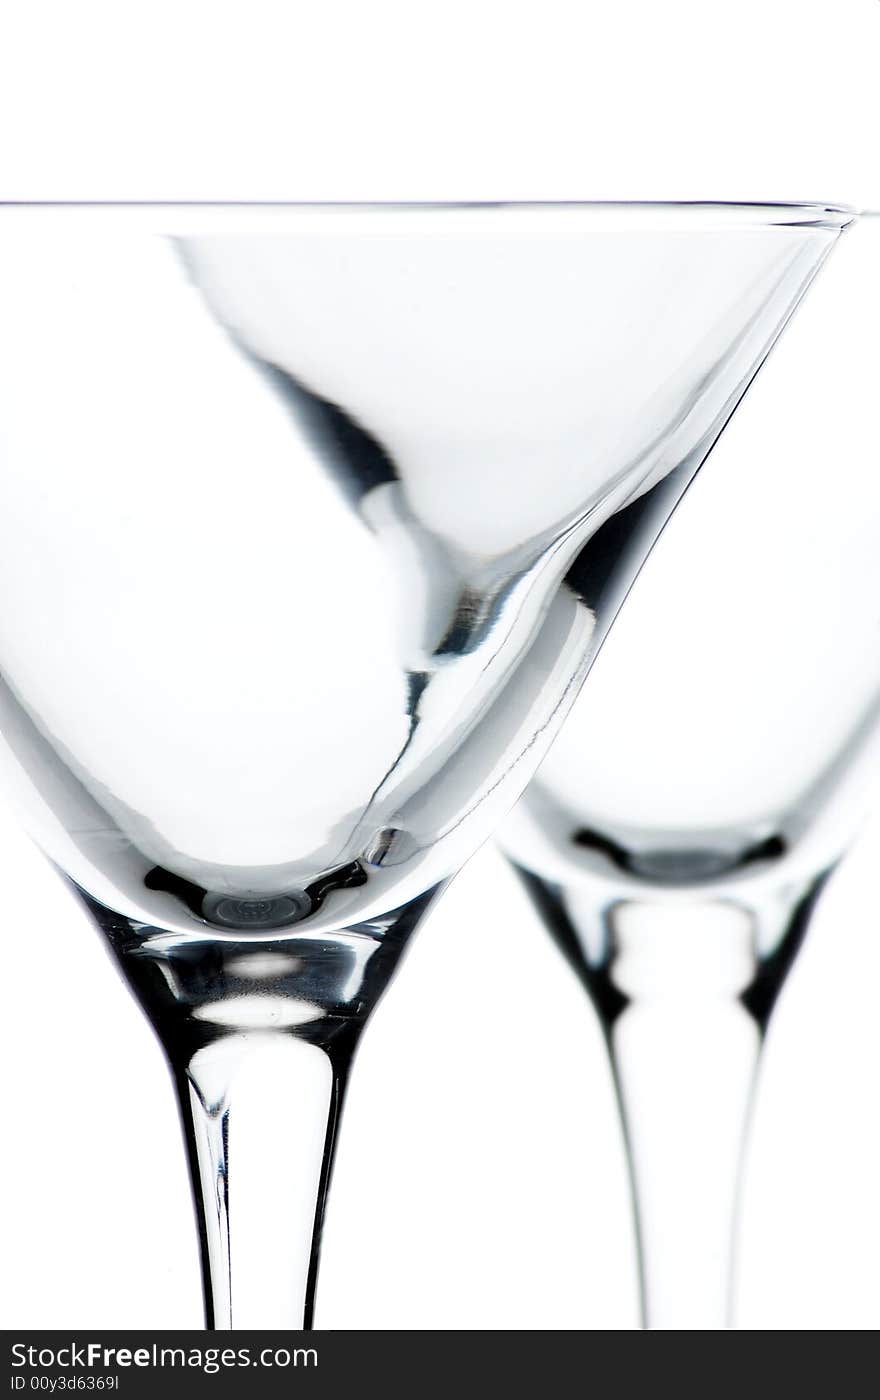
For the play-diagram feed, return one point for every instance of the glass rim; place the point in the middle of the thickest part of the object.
(635, 213)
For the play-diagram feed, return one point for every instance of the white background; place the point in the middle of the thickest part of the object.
(480, 1179)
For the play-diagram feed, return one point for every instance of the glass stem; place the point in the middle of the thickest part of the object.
(259, 1032)
(684, 1070)
(684, 986)
(260, 1112)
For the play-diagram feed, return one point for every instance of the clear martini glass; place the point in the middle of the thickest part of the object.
(712, 775)
(291, 497)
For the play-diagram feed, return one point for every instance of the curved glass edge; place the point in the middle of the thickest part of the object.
(530, 216)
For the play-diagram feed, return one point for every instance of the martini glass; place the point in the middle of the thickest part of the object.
(290, 501)
(712, 774)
